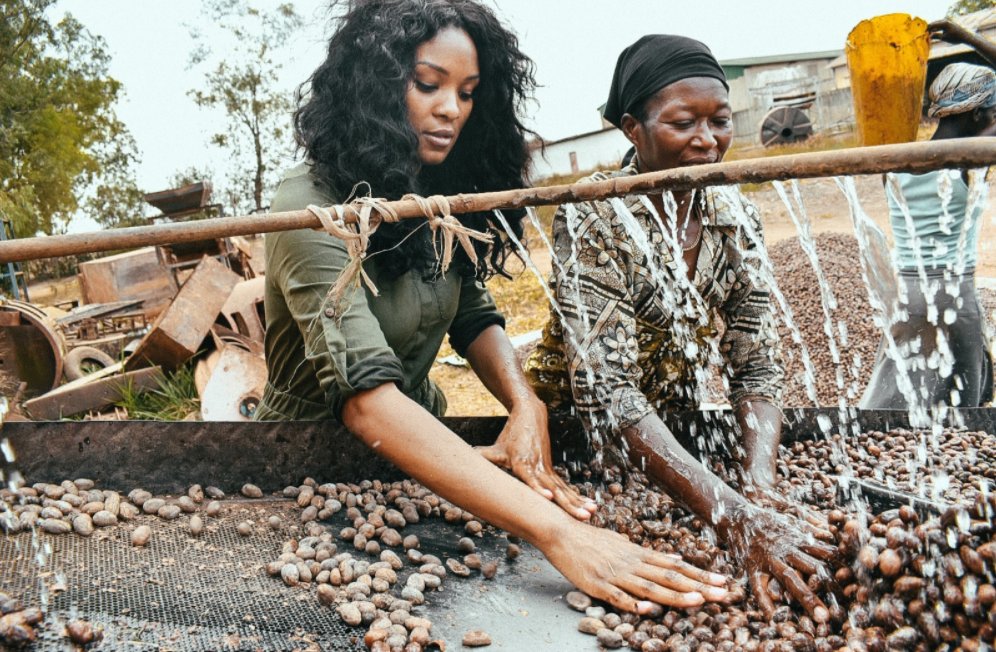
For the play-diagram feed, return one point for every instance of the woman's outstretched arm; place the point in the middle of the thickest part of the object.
(768, 544)
(600, 562)
(523, 446)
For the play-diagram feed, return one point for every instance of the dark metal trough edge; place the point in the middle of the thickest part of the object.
(168, 457)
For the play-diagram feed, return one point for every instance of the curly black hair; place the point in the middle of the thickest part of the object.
(352, 120)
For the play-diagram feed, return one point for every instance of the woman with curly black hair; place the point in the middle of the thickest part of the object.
(421, 96)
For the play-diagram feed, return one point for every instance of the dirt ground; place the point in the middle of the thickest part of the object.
(828, 212)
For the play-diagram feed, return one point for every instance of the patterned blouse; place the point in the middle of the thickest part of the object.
(640, 337)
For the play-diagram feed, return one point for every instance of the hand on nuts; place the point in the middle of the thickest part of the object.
(773, 545)
(769, 498)
(607, 566)
(523, 447)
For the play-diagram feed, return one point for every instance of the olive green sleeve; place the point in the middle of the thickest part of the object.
(346, 347)
(477, 311)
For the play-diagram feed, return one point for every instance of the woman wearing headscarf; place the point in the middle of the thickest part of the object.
(638, 284)
(935, 221)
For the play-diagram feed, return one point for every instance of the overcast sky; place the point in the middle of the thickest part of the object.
(574, 44)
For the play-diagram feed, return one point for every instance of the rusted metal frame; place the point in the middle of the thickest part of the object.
(907, 157)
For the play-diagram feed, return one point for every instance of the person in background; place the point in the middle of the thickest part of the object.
(638, 283)
(935, 226)
(421, 96)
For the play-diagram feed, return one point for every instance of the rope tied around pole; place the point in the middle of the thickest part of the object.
(436, 209)
(370, 213)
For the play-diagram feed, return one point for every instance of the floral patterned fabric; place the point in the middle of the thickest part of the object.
(630, 334)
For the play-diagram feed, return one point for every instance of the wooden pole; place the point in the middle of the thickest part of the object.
(907, 157)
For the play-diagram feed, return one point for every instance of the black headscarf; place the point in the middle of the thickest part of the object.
(652, 63)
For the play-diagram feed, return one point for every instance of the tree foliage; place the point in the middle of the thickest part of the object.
(962, 7)
(62, 148)
(246, 85)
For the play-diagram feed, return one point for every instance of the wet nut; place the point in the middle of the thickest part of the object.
(83, 525)
(290, 574)
(169, 512)
(577, 601)
(416, 581)
(104, 519)
(476, 638)
(139, 496)
(466, 545)
(127, 511)
(473, 561)
(457, 568)
(474, 528)
(390, 537)
(513, 551)
(54, 526)
(489, 569)
(410, 542)
(350, 614)
(608, 638)
(244, 528)
(890, 563)
(81, 632)
(140, 536)
(392, 559)
(412, 595)
(868, 557)
(589, 625)
(251, 491)
(152, 505)
(214, 493)
(310, 513)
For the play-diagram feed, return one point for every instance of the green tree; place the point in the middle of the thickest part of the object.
(246, 85)
(62, 148)
(962, 7)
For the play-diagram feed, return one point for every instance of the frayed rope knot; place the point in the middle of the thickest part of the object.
(437, 211)
(370, 212)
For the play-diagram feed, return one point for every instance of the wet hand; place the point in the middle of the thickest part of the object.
(772, 545)
(769, 498)
(523, 447)
(607, 566)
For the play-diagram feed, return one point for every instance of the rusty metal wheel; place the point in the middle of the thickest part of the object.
(785, 124)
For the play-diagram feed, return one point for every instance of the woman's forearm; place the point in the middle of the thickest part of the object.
(492, 357)
(653, 448)
(401, 431)
(760, 424)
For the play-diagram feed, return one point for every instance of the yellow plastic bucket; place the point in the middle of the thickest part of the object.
(887, 57)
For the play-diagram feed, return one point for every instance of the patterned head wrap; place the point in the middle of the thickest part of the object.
(962, 87)
(653, 62)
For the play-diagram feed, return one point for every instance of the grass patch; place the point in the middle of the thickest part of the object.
(175, 399)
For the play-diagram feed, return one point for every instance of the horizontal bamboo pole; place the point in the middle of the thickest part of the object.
(907, 157)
